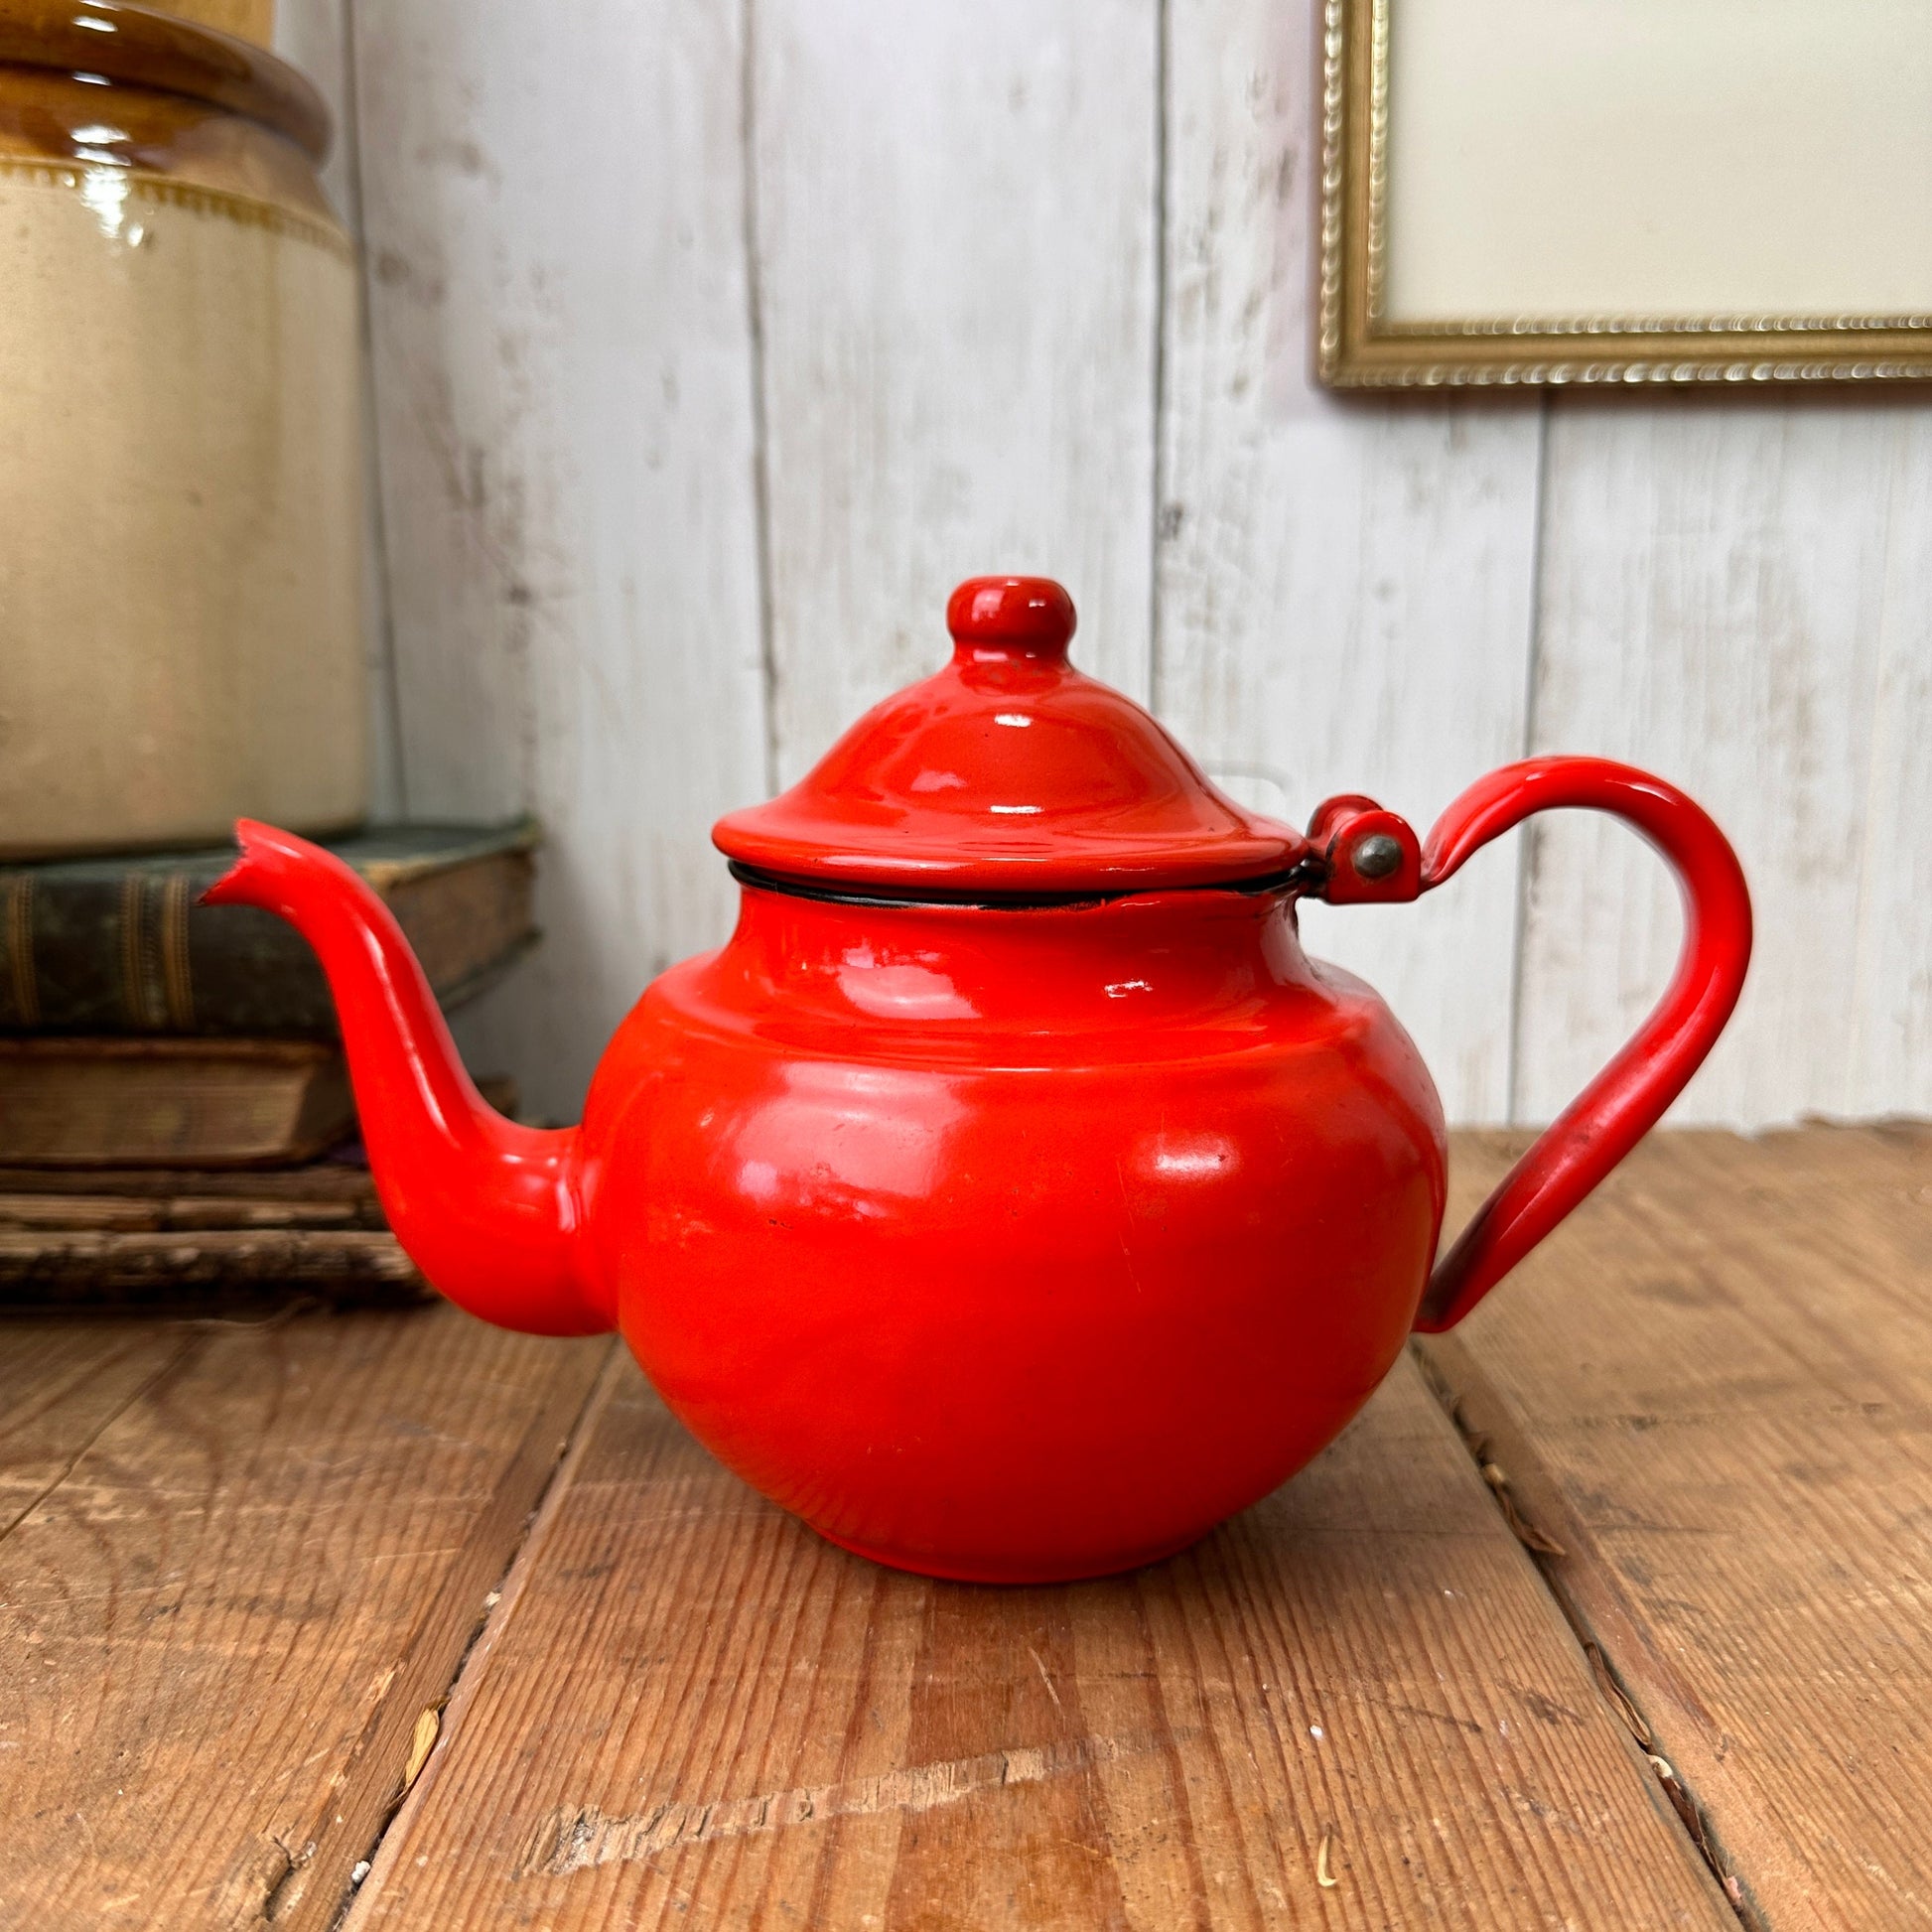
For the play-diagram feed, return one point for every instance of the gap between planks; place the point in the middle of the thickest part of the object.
(473, 1665)
(434, 1664)
(1583, 1587)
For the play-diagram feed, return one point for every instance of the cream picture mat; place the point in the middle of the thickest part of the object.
(1558, 160)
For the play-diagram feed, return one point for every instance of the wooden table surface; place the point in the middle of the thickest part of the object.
(1612, 1611)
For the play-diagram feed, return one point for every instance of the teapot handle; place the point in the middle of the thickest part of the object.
(1371, 854)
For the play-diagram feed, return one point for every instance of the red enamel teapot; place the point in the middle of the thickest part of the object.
(1011, 1196)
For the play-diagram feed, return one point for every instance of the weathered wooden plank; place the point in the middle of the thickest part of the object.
(78, 1212)
(955, 233)
(690, 1709)
(322, 1184)
(1344, 588)
(1714, 1389)
(1890, 1065)
(263, 1553)
(1727, 589)
(553, 200)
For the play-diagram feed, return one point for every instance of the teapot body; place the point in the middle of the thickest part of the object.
(1013, 1243)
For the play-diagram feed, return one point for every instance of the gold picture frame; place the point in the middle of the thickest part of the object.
(1361, 343)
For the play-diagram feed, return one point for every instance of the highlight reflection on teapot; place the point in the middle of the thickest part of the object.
(1011, 1196)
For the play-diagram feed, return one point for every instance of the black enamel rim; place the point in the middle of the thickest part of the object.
(1305, 877)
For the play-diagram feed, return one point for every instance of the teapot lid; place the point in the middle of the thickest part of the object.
(1008, 771)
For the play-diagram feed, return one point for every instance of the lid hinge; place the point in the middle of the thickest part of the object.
(1368, 856)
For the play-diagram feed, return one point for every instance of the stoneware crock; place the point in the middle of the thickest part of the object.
(181, 485)
(1011, 1196)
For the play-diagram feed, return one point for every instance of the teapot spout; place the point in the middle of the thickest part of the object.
(488, 1211)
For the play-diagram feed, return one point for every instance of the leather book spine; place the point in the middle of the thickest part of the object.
(133, 954)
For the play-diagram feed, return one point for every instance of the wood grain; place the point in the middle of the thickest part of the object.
(239, 1561)
(955, 239)
(61, 1385)
(553, 207)
(1344, 588)
(1737, 596)
(323, 1183)
(239, 1565)
(74, 1212)
(692, 1711)
(1713, 1390)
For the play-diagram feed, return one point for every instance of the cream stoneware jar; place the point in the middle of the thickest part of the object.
(180, 440)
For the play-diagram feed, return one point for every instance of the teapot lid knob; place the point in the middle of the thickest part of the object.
(1010, 616)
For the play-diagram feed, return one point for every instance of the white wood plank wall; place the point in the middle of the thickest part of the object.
(712, 341)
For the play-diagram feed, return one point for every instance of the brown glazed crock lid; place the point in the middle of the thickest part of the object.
(158, 51)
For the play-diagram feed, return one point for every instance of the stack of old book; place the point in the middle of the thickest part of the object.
(175, 1113)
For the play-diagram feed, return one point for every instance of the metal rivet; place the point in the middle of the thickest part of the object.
(1377, 855)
